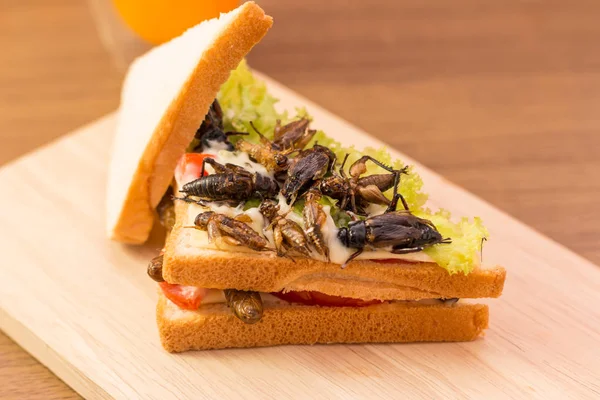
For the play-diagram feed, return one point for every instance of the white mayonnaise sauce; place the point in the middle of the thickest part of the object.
(215, 145)
(238, 158)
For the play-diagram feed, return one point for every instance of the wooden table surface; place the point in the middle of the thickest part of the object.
(500, 98)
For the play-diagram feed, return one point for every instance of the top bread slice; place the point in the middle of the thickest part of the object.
(189, 260)
(166, 94)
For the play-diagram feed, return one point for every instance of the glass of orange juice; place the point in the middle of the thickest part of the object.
(129, 27)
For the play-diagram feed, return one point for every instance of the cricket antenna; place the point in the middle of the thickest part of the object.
(483, 239)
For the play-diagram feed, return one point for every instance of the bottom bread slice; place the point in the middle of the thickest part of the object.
(214, 326)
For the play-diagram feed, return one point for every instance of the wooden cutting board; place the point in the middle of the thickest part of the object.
(84, 307)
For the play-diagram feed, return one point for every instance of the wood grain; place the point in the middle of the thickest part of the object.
(23, 377)
(539, 344)
(513, 84)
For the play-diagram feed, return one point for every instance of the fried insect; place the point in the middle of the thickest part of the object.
(355, 193)
(314, 219)
(294, 135)
(310, 165)
(288, 235)
(247, 306)
(232, 231)
(166, 210)
(264, 153)
(210, 134)
(155, 268)
(231, 183)
(400, 230)
(274, 154)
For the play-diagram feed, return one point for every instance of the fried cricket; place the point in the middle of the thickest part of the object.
(354, 193)
(287, 234)
(309, 166)
(155, 268)
(400, 230)
(314, 218)
(294, 135)
(232, 231)
(247, 306)
(166, 210)
(231, 183)
(210, 134)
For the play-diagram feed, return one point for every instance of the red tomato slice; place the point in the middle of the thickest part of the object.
(322, 299)
(189, 167)
(295, 297)
(185, 297)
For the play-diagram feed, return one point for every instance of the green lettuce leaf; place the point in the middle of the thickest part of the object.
(245, 98)
(462, 255)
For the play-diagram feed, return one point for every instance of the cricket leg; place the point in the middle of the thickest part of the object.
(352, 257)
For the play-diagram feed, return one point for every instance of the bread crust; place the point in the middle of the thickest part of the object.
(130, 218)
(215, 327)
(363, 279)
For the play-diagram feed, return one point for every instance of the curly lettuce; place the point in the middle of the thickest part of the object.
(244, 98)
(462, 255)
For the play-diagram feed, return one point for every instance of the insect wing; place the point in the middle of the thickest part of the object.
(288, 136)
(242, 233)
(236, 186)
(393, 228)
(305, 138)
(372, 194)
(382, 181)
(314, 166)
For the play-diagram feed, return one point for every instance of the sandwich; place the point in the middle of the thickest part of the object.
(275, 232)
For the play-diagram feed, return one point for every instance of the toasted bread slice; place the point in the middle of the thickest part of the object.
(189, 260)
(214, 326)
(166, 94)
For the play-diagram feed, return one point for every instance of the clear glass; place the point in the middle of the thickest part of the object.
(123, 44)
